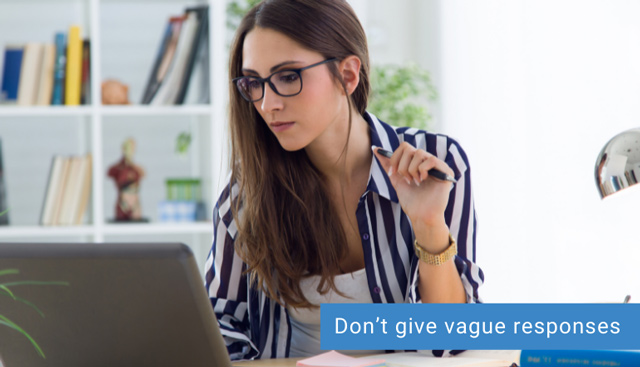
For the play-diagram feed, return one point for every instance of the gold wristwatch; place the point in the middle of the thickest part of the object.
(437, 259)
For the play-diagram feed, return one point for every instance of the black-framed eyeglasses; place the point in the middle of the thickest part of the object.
(286, 83)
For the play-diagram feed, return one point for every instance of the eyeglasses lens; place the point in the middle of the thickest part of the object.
(286, 83)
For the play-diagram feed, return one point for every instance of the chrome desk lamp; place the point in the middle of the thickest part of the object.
(618, 164)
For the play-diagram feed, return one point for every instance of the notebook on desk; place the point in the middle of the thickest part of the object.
(125, 304)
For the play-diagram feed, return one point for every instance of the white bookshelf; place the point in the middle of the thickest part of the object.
(124, 39)
(44, 111)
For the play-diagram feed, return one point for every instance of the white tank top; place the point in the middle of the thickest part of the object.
(305, 322)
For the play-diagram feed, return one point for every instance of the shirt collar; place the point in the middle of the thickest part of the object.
(384, 136)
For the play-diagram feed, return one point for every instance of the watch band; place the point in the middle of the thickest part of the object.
(437, 259)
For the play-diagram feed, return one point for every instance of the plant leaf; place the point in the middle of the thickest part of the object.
(32, 282)
(19, 299)
(11, 324)
(9, 271)
(4, 288)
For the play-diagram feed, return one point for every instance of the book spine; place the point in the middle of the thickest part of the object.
(199, 42)
(60, 190)
(11, 72)
(71, 194)
(86, 190)
(150, 88)
(29, 74)
(85, 90)
(74, 67)
(59, 68)
(49, 196)
(537, 358)
(45, 88)
(168, 62)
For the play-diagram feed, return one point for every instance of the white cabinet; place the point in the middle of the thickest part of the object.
(124, 35)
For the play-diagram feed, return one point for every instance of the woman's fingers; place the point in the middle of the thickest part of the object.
(425, 166)
(413, 170)
(411, 164)
(404, 160)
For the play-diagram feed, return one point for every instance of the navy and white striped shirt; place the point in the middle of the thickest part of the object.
(255, 326)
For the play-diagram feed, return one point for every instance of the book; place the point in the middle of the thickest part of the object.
(60, 66)
(85, 83)
(11, 72)
(617, 358)
(29, 74)
(163, 59)
(70, 195)
(198, 91)
(76, 201)
(469, 358)
(85, 191)
(74, 67)
(59, 193)
(199, 46)
(46, 218)
(4, 219)
(337, 359)
(68, 190)
(168, 90)
(152, 81)
(45, 87)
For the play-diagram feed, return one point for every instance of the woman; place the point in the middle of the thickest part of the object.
(312, 212)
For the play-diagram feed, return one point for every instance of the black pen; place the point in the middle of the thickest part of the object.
(432, 172)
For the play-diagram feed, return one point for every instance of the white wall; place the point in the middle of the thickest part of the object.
(405, 31)
(533, 90)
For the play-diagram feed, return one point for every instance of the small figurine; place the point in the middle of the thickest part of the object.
(127, 176)
(114, 92)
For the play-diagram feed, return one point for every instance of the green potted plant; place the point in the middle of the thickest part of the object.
(400, 95)
(7, 292)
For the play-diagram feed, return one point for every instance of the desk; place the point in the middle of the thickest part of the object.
(478, 356)
(278, 362)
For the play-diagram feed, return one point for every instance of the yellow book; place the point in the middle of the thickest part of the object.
(74, 67)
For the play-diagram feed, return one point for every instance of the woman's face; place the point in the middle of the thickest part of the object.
(296, 121)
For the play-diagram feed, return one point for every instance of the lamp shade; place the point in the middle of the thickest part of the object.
(618, 164)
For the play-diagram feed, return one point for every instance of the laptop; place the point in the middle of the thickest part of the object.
(105, 304)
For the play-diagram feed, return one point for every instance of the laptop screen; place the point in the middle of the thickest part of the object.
(124, 304)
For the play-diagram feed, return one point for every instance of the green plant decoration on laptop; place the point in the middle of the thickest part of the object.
(7, 292)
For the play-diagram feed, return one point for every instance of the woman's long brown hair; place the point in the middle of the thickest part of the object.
(287, 225)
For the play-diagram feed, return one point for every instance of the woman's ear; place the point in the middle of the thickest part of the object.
(349, 69)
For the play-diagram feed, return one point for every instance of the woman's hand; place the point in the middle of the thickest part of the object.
(422, 197)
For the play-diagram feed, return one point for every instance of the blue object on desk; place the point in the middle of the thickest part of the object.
(618, 358)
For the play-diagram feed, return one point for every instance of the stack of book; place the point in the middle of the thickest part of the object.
(68, 191)
(180, 71)
(47, 74)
